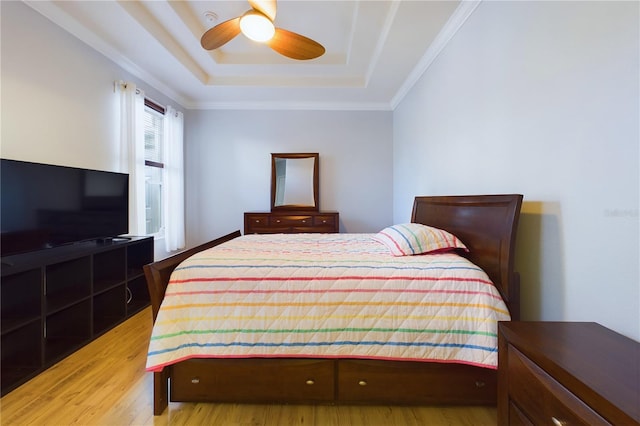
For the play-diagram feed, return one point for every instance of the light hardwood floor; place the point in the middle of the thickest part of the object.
(104, 383)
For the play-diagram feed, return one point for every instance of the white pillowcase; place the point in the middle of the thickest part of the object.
(409, 239)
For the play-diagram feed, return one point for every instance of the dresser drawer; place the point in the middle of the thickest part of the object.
(257, 220)
(295, 380)
(541, 399)
(325, 220)
(297, 220)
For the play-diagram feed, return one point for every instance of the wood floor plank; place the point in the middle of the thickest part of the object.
(105, 383)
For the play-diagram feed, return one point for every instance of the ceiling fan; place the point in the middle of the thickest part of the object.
(257, 24)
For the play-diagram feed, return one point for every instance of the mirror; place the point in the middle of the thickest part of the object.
(294, 181)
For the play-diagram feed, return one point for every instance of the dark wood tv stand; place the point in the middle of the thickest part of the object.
(54, 301)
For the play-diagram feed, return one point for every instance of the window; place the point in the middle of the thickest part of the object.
(151, 147)
(154, 163)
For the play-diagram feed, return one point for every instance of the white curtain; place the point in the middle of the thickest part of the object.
(132, 152)
(173, 203)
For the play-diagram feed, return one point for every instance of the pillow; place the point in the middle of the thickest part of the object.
(408, 239)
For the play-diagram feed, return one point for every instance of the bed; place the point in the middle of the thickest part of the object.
(224, 359)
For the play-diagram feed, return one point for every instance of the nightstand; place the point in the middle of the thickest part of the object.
(567, 373)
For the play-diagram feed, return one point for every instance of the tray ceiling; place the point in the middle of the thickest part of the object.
(374, 49)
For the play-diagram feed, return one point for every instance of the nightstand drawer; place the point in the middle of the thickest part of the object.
(517, 417)
(543, 400)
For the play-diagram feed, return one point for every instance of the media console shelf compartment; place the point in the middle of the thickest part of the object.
(53, 302)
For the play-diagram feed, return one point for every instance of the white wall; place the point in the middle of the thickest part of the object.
(58, 101)
(540, 98)
(228, 165)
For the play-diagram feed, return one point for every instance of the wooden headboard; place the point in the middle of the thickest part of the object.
(487, 225)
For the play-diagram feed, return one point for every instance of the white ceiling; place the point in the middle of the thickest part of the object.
(375, 50)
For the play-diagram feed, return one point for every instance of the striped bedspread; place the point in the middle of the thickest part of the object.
(326, 296)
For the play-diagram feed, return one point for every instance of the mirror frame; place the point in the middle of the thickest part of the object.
(316, 174)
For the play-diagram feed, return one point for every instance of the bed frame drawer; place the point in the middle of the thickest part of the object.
(295, 380)
(369, 381)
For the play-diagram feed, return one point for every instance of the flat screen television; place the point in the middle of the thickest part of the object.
(44, 206)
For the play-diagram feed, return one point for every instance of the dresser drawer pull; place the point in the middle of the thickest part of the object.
(362, 383)
(195, 380)
(324, 221)
(310, 382)
(480, 384)
(304, 221)
(277, 220)
(257, 220)
(557, 422)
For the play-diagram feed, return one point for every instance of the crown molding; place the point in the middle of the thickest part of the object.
(455, 22)
(291, 106)
(59, 17)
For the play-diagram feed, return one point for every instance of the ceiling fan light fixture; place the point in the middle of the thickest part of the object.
(257, 26)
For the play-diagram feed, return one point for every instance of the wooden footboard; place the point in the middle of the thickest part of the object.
(157, 275)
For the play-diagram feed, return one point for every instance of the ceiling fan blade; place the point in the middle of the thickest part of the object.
(220, 34)
(266, 7)
(295, 46)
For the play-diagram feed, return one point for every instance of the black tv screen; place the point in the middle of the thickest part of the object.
(44, 206)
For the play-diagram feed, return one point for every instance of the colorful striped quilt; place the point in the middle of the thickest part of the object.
(326, 296)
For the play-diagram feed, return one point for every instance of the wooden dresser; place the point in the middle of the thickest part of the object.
(290, 222)
(567, 373)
